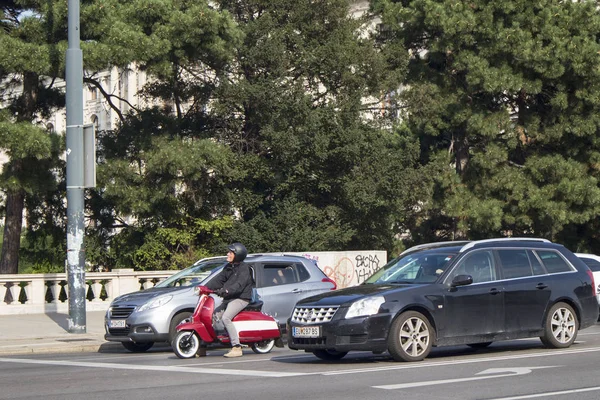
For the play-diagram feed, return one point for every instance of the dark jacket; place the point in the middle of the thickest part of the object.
(236, 279)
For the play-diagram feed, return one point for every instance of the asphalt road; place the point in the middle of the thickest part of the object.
(512, 370)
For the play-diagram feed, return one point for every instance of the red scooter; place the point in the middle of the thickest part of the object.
(258, 330)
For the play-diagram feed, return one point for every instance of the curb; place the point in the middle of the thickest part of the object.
(61, 346)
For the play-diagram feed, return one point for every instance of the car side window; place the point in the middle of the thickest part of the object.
(478, 264)
(553, 262)
(536, 265)
(592, 264)
(515, 263)
(280, 274)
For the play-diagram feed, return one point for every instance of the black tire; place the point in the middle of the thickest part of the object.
(411, 337)
(177, 319)
(479, 345)
(186, 344)
(561, 327)
(329, 355)
(137, 347)
(263, 347)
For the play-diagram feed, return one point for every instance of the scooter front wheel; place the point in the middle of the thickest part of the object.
(186, 344)
(263, 347)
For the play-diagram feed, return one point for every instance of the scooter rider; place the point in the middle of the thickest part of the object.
(234, 283)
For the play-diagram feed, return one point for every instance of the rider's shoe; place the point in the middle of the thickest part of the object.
(236, 351)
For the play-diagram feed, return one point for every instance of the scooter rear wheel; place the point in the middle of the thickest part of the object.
(263, 347)
(186, 344)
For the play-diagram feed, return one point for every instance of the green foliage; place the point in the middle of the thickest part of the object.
(510, 89)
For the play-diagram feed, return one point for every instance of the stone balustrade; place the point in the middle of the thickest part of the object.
(47, 293)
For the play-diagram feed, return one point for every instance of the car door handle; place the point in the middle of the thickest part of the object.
(494, 291)
(297, 290)
(541, 286)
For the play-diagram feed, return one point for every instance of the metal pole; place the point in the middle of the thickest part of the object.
(75, 221)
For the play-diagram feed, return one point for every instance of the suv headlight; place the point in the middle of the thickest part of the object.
(368, 306)
(157, 302)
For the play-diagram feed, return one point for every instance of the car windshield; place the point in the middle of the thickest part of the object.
(421, 267)
(193, 275)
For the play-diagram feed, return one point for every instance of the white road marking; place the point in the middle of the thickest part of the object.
(553, 353)
(491, 373)
(265, 374)
(192, 369)
(563, 392)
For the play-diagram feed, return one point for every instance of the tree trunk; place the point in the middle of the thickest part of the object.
(9, 262)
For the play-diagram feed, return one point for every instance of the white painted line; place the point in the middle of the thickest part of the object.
(491, 373)
(552, 353)
(265, 374)
(563, 392)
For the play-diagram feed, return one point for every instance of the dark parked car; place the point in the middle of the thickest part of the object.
(453, 293)
(140, 319)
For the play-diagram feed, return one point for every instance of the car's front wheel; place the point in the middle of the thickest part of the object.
(561, 326)
(177, 319)
(137, 347)
(411, 337)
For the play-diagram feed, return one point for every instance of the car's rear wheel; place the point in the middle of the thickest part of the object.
(482, 345)
(177, 319)
(263, 347)
(330, 355)
(411, 337)
(137, 347)
(561, 326)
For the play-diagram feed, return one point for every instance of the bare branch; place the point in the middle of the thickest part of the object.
(109, 97)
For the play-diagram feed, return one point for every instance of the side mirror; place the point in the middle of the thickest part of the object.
(461, 280)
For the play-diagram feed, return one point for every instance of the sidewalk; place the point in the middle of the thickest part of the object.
(48, 333)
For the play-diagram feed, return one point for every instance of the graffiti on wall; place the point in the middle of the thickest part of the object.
(350, 271)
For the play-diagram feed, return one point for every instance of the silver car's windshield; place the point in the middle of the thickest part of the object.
(193, 275)
(422, 267)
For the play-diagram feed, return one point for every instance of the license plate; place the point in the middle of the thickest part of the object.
(116, 323)
(306, 331)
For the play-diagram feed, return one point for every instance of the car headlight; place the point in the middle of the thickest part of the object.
(157, 302)
(367, 306)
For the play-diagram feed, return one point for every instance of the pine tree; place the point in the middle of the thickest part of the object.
(29, 61)
(505, 97)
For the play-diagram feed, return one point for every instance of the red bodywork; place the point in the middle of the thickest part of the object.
(253, 326)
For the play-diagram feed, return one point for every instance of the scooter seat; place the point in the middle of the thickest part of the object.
(254, 306)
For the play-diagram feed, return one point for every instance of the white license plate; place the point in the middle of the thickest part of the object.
(306, 331)
(116, 323)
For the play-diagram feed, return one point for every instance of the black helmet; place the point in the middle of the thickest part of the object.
(239, 250)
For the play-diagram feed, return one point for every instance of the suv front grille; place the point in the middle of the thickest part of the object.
(121, 311)
(313, 315)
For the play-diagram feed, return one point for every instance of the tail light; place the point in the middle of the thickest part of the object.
(330, 281)
(591, 274)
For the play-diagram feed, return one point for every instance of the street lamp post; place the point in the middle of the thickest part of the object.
(75, 174)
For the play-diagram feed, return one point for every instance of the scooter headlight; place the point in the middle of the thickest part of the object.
(154, 303)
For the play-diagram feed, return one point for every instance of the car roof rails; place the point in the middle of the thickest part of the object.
(434, 245)
(530, 239)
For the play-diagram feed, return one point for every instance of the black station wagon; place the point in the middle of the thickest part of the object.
(452, 293)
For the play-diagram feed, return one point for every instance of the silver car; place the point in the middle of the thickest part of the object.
(140, 319)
